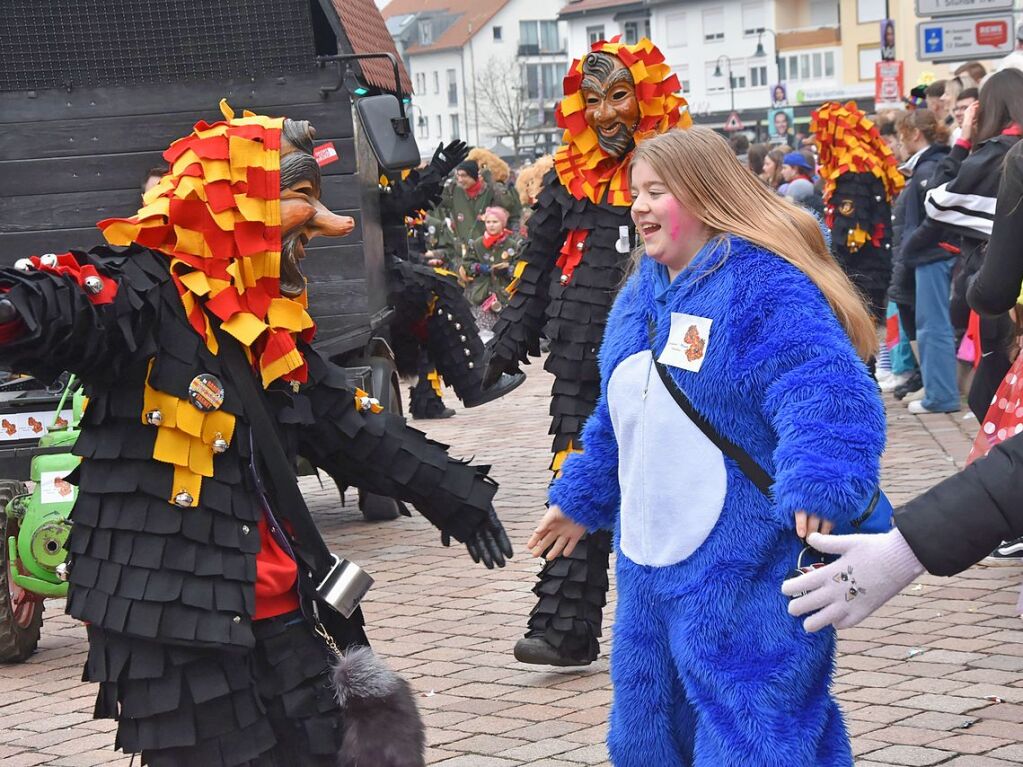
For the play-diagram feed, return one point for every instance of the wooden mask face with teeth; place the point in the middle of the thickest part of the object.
(611, 106)
(303, 216)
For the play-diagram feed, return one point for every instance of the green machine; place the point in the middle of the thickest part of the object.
(35, 441)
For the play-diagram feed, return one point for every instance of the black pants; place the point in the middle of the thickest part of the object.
(996, 335)
(193, 707)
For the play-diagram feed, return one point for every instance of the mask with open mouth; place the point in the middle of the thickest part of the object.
(300, 191)
(233, 215)
(616, 96)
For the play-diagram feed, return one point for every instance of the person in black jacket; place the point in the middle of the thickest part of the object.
(960, 210)
(995, 288)
(952, 526)
(925, 140)
(958, 522)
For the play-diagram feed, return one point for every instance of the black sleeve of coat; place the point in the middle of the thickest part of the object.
(517, 332)
(64, 330)
(996, 287)
(381, 453)
(948, 168)
(921, 243)
(958, 522)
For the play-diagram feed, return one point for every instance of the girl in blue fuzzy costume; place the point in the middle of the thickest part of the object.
(737, 294)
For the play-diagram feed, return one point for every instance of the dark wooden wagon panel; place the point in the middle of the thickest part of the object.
(78, 133)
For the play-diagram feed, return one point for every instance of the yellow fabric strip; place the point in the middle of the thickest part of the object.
(188, 481)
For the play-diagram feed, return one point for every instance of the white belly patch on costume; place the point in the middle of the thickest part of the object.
(672, 477)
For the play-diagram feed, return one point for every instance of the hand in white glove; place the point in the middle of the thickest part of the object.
(870, 571)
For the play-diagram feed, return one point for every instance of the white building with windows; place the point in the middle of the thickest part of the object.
(476, 64)
(724, 51)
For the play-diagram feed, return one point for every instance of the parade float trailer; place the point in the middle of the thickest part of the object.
(91, 93)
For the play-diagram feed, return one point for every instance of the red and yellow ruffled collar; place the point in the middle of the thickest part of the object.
(586, 170)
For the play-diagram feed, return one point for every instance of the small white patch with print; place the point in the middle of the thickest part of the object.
(687, 342)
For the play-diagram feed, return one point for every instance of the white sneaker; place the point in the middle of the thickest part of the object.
(916, 407)
(913, 396)
(892, 380)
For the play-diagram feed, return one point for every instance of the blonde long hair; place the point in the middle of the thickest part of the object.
(701, 171)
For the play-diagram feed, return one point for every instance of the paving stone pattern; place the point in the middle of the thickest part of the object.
(936, 677)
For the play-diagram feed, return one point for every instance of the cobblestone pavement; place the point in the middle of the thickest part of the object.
(934, 678)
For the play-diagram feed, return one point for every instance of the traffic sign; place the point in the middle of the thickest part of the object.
(733, 123)
(888, 80)
(960, 7)
(965, 37)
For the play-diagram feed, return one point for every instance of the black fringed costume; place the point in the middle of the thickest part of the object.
(168, 591)
(861, 178)
(187, 559)
(579, 239)
(572, 590)
(859, 204)
(433, 322)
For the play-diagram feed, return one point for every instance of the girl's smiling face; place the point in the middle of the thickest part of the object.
(672, 234)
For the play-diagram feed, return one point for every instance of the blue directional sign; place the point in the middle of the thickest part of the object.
(934, 40)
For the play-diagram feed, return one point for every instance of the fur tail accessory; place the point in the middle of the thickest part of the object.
(381, 722)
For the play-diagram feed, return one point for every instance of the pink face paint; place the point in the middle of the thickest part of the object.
(675, 212)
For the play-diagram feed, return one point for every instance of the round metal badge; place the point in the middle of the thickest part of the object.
(206, 392)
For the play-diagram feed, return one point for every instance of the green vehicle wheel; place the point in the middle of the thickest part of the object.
(21, 612)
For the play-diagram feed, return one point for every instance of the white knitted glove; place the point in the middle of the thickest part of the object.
(870, 571)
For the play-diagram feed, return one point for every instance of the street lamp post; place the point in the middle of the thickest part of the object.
(760, 52)
(731, 80)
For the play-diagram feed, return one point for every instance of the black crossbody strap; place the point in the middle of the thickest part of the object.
(308, 542)
(758, 476)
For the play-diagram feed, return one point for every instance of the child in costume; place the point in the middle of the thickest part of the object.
(487, 267)
(737, 295)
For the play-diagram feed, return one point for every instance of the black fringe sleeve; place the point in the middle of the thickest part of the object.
(419, 190)
(380, 453)
(517, 333)
(64, 330)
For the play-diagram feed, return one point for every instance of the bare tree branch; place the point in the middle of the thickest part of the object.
(504, 108)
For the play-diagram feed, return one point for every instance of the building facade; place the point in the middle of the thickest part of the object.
(485, 71)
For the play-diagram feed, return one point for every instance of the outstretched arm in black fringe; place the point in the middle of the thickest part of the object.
(57, 323)
(517, 333)
(421, 189)
(380, 453)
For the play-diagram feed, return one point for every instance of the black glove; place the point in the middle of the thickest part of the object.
(497, 367)
(488, 544)
(446, 158)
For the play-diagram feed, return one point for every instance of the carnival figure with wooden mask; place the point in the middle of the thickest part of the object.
(580, 237)
(189, 558)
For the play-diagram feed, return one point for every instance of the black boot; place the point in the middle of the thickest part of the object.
(425, 403)
(565, 624)
(915, 383)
